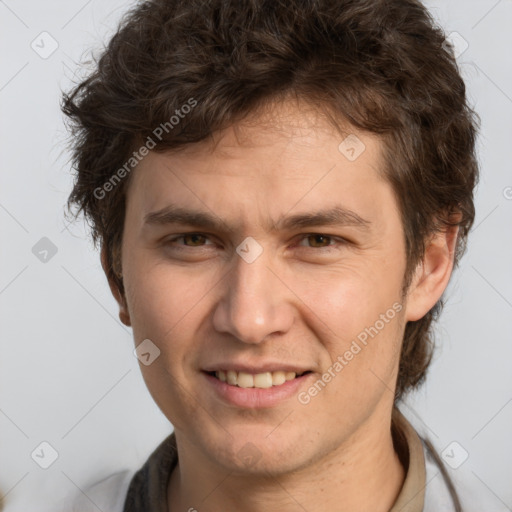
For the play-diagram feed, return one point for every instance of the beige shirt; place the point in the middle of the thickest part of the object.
(409, 447)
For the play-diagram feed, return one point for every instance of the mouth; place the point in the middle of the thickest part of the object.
(262, 380)
(256, 389)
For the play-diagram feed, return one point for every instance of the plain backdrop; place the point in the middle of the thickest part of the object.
(68, 376)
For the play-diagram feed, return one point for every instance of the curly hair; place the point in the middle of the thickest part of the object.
(382, 66)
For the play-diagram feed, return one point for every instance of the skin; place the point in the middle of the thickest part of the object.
(302, 301)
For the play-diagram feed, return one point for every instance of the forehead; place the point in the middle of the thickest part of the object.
(287, 158)
(294, 128)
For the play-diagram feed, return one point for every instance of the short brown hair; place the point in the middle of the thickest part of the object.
(382, 65)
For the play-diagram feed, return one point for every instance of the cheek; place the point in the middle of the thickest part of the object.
(161, 301)
(165, 307)
(343, 302)
(356, 315)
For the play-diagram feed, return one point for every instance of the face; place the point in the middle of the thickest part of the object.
(268, 253)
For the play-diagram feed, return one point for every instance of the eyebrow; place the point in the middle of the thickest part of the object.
(336, 216)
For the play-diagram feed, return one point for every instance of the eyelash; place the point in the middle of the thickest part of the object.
(338, 240)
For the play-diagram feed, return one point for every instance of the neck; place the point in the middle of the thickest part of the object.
(363, 474)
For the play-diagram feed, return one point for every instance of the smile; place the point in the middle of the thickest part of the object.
(255, 390)
(259, 380)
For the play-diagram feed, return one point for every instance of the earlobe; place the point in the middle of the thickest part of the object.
(124, 314)
(432, 274)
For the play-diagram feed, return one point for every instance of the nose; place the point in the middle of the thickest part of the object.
(254, 302)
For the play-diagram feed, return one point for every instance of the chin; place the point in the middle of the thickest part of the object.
(253, 451)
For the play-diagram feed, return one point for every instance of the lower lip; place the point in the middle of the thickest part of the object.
(256, 398)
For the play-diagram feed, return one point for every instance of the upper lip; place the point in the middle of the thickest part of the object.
(256, 368)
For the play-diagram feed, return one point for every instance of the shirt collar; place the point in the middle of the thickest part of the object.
(409, 448)
(148, 488)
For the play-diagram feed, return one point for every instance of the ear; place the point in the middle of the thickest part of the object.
(432, 274)
(124, 314)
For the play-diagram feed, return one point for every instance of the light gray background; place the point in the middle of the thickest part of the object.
(67, 372)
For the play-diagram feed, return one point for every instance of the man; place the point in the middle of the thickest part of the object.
(280, 191)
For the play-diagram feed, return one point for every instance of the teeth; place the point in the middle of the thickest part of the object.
(245, 380)
(278, 378)
(259, 380)
(263, 380)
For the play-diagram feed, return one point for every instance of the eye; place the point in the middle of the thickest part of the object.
(318, 241)
(190, 240)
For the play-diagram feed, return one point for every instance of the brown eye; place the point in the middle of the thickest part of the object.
(319, 240)
(194, 240)
(187, 241)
